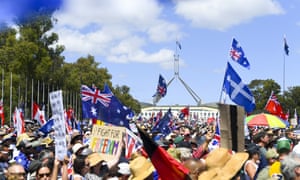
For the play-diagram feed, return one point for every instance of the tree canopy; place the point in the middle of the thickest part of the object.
(32, 59)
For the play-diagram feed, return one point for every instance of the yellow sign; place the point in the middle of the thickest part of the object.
(106, 140)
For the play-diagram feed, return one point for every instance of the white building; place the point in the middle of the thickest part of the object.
(201, 113)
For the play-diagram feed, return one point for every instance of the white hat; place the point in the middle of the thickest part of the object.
(124, 168)
(76, 147)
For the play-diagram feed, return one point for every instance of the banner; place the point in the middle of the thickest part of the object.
(56, 102)
(106, 140)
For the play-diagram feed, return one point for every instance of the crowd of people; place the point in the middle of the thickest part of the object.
(269, 154)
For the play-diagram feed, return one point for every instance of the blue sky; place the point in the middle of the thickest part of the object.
(135, 41)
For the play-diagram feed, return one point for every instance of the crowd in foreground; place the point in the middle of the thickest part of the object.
(268, 154)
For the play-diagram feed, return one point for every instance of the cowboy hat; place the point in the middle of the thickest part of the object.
(140, 168)
(222, 165)
(94, 159)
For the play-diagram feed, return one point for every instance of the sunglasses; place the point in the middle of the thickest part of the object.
(45, 174)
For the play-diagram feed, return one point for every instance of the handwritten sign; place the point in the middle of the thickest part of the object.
(56, 102)
(106, 140)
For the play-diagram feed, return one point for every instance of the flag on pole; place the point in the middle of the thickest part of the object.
(273, 107)
(185, 112)
(2, 113)
(161, 89)
(178, 44)
(285, 46)
(132, 143)
(163, 125)
(237, 54)
(19, 122)
(47, 127)
(237, 90)
(38, 114)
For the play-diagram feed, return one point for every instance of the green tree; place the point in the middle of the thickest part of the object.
(261, 90)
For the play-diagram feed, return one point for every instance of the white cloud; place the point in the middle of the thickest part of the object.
(221, 15)
(116, 30)
(119, 31)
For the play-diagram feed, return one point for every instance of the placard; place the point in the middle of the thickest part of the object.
(106, 140)
(56, 102)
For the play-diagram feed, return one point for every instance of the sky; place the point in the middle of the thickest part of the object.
(136, 41)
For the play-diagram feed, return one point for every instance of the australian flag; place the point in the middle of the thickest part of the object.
(161, 89)
(91, 99)
(237, 90)
(163, 125)
(237, 54)
(109, 109)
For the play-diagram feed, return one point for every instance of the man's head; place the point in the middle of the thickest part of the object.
(16, 171)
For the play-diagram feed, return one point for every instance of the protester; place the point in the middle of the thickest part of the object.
(251, 165)
(16, 172)
(272, 157)
(141, 168)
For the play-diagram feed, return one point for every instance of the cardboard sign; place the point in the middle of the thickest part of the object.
(106, 140)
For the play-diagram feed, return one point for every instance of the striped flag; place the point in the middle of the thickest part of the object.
(132, 142)
(19, 122)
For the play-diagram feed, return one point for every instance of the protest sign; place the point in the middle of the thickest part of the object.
(107, 140)
(56, 102)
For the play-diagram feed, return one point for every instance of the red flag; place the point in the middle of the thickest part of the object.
(166, 166)
(2, 113)
(273, 106)
(38, 114)
(185, 112)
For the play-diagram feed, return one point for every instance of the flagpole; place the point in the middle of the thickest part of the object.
(283, 84)
(10, 98)
(31, 98)
(2, 84)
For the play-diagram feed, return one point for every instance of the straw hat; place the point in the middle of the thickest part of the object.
(222, 165)
(233, 165)
(217, 158)
(140, 168)
(94, 159)
(22, 137)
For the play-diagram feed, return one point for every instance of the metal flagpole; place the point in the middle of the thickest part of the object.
(31, 98)
(2, 84)
(283, 83)
(10, 98)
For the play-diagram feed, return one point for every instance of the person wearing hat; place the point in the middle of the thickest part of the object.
(99, 166)
(141, 169)
(123, 171)
(272, 157)
(223, 165)
(283, 147)
(25, 150)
